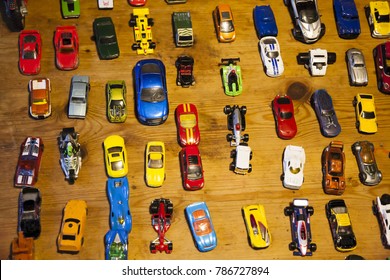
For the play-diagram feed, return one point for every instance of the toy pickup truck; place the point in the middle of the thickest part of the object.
(182, 29)
(142, 25)
(316, 60)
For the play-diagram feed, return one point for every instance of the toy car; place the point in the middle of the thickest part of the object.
(333, 168)
(40, 100)
(369, 173)
(241, 156)
(30, 212)
(294, 158)
(300, 212)
(185, 67)
(347, 18)
(356, 66)
(340, 225)
(71, 236)
(378, 15)
(187, 124)
(30, 52)
(264, 20)
(322, 104)
(161, 211)
(182, 29)
(16, 11)
(116, 101)
(105, 38)
(316, 61)
(201, 226)
(382, 66)
(116, 244)
(70, 153)
(22, 248)
(307, 23)
(137, 3)
(151, 91)
(270, 55)
(115, 156)
(231, 76)
(66, 43)
(105, 4)
(283, 110)
(381, 209)
(365, 113)
(29, 162)
(155, 164)
(224, 23)
(118, 197)
(70, 8)
(78, 97)
(142, 25)
(256, 226)
(236, 123)
(191, 168)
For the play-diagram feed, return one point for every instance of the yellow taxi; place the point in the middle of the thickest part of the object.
(115, 156)
(155, 164)
(256, 225)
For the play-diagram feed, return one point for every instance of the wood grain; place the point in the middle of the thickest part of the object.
(224, 192)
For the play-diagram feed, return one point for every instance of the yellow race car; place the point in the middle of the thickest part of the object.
(256, 226)
(115, 156)
(378, 14)
(142, 26)
(365, 113)
(155, 164)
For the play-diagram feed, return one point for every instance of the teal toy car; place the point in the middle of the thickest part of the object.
(231, 76)
(70, 8)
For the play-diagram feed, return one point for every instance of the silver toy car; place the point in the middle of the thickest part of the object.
(78, 98)
(356, 67)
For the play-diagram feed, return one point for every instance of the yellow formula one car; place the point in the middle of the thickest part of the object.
(142, 25)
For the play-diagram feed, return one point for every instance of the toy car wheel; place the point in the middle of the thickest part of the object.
(150, 22)
(288, 211)
(362, 177)
(233, 154)
(227, 110)
(178, 82)
(250, 156)
(379, 85)
(152, 45)
(250, 168)
(243, 110)
(152, 247)
(229, 137)
(331, 57)
(134, 47)
(310, 210)
(286, 2)
(153, 209)
(193, 83)
(385, 199)
(303, 58)
(132, 21)
(232, 166)
(170, 246)
(354, 102)
(72, 177)
(246, 137)
(313, 247)
(169, 208)
(374, 210)
(292, 246)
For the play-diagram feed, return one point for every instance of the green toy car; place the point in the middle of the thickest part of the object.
(105, 38)
(70, 8)
(116, 101)
(231, 76)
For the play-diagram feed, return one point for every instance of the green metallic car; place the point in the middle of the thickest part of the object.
(116, 101)
(70, 8)
(105, 38)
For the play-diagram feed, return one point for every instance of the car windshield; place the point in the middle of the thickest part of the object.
(194, 172)
(307, 11)
(153, 94)
(345, 230)
(367, 155)
(117, 103)
(155, 161)
(28, 205)
(117, 165)
(368, 115)
(29, 55)
(80, 100)
(227, 26)
(107, 40)
(286, 115)
(188, 120)
(381, 18)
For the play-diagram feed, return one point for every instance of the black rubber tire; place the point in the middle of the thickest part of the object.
(303, 58)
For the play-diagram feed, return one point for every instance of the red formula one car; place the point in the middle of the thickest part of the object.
(191, 168)
(30, 45)
(283, 109)
(66, 43)
(161, 210)
(187, 124)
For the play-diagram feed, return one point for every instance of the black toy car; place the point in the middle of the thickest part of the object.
(185, 68)
(29, 212)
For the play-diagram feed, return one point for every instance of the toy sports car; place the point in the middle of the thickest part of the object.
(116, 101)
(116, 244)
(236, 124)
(142, 25)
(256, 226)
(300, 212)
(264, 20)
(378, 15)
(70, 153)
(118, 196)
(365, 113)
(161, 211)
(40, 99)
(191, 168)
(369, 173)
(283, 110)
(231, 76)
(333, 166)
(340, 225)
(30, 52)
(155, 164)
(382, 66)
(29, 162)
(187, 124)
(201, 226)
(151, 91)
(293, 163)
(185, 67)
(347, 18)
(115, 156)
(356, 67)
(224, 23)
(30, 212)
(66, 43)
(105, 38)
(381, 209)
(70, 8)
(271, 57)
(78, 97)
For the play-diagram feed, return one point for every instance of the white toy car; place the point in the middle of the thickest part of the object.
(381, 209)
(242, 156)
(105, 4)
(236, 124)
(270, 54)
(293, 164)
(316, 61)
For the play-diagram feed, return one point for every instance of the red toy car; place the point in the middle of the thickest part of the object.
(382, 58)
(191, 168)
(29, 162)
(66, 43)
(187, 124)
(30, 45)
(283, 109)
(161, 210)
(137, 2)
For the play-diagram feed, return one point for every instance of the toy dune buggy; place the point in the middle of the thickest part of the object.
(161, 210)
(70, 153)
(231, 76)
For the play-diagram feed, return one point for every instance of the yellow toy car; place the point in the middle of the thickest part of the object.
(155, 164)
(115, 156)
(365, 113)
(71, 236)
(142, 26)
(116, 101)
(256, 226)
(378, 14)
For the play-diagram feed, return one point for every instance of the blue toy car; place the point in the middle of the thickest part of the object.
(347, 18)
(202, 229)
(116, 244)
(151, 92)
(118, 196)
(264, 20)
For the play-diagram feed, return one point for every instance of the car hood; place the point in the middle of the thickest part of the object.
(360, 74)
(311, 30)
(109, 51)
(153, 110)
(77, 110)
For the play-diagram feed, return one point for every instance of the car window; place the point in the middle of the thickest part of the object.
(202, 227)
(307, 11)
(153, 95)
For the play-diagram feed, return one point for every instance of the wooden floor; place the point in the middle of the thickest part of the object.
(224, 191)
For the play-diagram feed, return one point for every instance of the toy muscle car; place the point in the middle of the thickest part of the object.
(70, 8)
(155, 164)
(231, 76)
(118, 196)
(293, 163)
(256, 226)
(356, 67)
(30, 212)
(105, 38)
(236, 124)
(30, 52)
(381, 209)
(66, 43)
(78, 97)
(116, 101)
(40, 100)
(347, 18)
(161, 211)
(70, 153)
(283, 110)
(187, 124)
(191, 168)
(333, 166)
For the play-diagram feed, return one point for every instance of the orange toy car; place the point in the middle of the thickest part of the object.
(22, 248)
(333, 166)
(224, 23)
